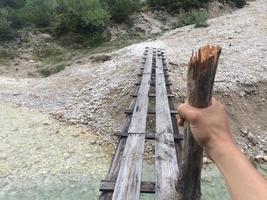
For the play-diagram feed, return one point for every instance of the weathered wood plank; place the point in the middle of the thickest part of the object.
(116, 161)
(117, 157)
(150, 112)
(146, 187)
(154, 95)
(178, 144)
(151, 136)
(167, 171)
(128, 182)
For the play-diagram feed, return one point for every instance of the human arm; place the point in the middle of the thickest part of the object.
(210, 128)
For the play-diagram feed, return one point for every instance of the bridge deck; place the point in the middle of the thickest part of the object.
(124, 179)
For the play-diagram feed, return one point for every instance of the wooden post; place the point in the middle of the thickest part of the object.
(201, 75)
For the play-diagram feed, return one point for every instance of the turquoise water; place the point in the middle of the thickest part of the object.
(213, 188)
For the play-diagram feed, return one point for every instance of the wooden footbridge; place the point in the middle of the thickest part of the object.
(152, 116)
(151, 106)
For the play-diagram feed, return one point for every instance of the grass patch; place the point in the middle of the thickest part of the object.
(121, 42)
(6, 55)
(50, 54)
(47, 71)
(197, 17)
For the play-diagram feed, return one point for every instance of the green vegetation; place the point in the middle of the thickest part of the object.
(40, 13)
(81, 26)
(178, 4)
(84, 17)
(81, 18)
(239, 3)
(121, 9)
(197, 17)
(5, 55)
(6, 32)
(46, 71)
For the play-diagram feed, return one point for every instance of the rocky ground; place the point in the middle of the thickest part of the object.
(95, 93)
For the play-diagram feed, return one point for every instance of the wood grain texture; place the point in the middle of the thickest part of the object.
(201, 75)
(117, 158)
(129, 179)
(167, 171)
(116, 162)
(146, 187)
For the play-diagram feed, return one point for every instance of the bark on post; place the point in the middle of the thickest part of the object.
(201, 75)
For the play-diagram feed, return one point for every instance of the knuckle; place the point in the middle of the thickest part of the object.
(194, 116)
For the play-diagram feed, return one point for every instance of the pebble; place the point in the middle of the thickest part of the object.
(88, 156)
(265, 158)
(252, 139)
(258, 158)
(83, 162)
(206, 160)
(75, 134)
(244, 132)
(264, 149)
(66, 155)
(3, 156)
(242, 93)
(93, 142)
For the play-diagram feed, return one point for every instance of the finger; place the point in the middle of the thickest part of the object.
(181, 122)
(188, 112)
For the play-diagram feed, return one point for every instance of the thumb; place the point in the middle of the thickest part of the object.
(188, 112)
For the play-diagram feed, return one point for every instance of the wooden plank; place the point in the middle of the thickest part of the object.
(150, 112)
(166, 75)
(151, 136)
(117, 157)
(116, 162)
(154, 95)
(152, 83)
(146, 187)
(128, 183)
(167, 171)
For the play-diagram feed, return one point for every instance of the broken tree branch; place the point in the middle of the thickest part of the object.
(201, 75)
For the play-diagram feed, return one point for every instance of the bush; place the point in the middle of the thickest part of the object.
(12, 3)
(47, 71)
(46, 51)
(19, 18)
(188, 4)
(177, 4)
(165, 3)
(6, 55)
(239, 3)
(6, 32)
(83, 16)
(40, 12)
(120, 10)
(199, 18)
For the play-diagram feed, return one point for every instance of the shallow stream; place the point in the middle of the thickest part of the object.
(42, 159)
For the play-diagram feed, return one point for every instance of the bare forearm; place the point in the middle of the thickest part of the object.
(210, 128)
(243, 180)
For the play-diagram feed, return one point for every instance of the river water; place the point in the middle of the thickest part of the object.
(42, 159)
